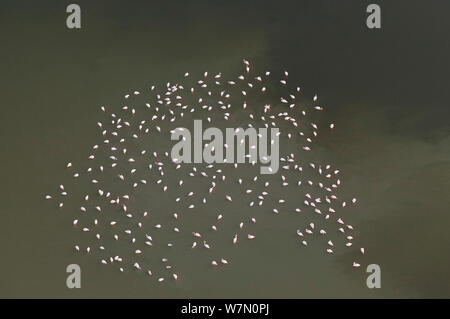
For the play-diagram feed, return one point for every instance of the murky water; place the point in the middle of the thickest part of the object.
(384, 90)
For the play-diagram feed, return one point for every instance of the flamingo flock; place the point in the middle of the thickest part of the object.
(128, 194)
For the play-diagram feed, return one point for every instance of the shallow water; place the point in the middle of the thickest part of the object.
(384, 90)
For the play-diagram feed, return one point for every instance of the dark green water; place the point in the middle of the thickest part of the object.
(386, 90)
